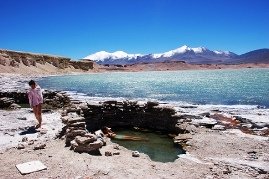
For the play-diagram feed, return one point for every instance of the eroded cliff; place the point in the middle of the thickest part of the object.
(13, 61)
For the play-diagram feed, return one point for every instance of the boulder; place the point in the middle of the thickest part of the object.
(75, 120)
(218, 127)
(87, 148)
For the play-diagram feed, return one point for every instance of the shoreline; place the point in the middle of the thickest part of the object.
(151, 67)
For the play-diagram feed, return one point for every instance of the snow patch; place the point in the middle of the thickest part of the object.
(199, 49)
(218, 52)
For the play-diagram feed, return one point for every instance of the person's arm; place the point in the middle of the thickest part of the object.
(39, 90)
(111, 134)
(30, 97)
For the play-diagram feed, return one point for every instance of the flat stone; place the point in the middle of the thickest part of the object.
(30, 167)
(77, 124)
(14, 106)
(151, 104)
(43, 131)
(205, 114)
(75, 120)
(208, 122)
(183, 137)
(73, 133)
(85, 140)
(22, 118)
(218, 127)
(40, 146)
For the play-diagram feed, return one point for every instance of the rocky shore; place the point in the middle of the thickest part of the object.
(220, 141)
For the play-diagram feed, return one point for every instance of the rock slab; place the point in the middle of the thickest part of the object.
(30, 167)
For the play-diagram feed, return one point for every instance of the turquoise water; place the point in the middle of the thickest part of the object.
(159, 147)
(227, 87)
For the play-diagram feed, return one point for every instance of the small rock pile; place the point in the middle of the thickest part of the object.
(52, 99)
(78, 137)
(25, 142)
(55, 100)
(6, 102)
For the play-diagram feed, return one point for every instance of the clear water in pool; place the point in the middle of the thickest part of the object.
(158, 146)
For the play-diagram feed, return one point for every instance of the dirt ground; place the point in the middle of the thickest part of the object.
(211, 154)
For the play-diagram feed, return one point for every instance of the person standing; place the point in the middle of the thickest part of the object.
(35, 100)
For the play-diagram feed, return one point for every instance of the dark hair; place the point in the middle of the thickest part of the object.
(32, 82)
(104, 129)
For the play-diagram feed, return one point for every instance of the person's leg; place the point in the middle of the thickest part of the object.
(132, 138)
(35, 110)
(39, 114)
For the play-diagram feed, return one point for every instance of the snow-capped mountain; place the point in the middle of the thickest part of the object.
(102, 55)
(184, 53)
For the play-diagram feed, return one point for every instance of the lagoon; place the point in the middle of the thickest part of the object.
(218, 87)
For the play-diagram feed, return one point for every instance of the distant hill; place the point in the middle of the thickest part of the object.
(255, 56)
(199, 55)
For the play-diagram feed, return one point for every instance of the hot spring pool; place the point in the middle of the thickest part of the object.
(158, 146)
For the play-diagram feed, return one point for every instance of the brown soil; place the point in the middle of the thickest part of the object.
(213, 155)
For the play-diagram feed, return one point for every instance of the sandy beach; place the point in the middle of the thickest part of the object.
(227, 153)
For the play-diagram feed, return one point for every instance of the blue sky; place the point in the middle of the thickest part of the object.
(77, 28)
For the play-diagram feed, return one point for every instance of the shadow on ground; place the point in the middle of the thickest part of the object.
(29, 130)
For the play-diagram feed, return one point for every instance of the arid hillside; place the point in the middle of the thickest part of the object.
(30, 63)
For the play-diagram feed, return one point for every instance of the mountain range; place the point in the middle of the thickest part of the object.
(199, 55)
